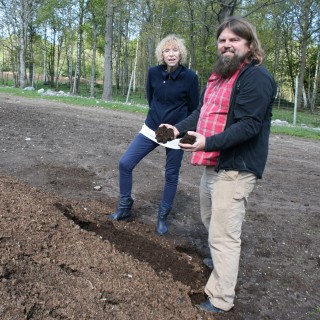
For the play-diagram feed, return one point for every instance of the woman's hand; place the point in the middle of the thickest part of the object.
(197, 146)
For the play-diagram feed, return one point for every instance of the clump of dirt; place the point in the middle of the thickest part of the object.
(164, 134)
(188, 139)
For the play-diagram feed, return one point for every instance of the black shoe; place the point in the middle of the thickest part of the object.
(209, 307)
(208, 262)
(120, 216)
(123, 211)
(162, 224)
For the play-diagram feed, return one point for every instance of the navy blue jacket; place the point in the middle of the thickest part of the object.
(244, 142)
(171, 97)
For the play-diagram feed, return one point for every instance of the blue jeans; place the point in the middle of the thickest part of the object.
(137, 150)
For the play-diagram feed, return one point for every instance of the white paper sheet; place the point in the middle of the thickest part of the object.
(146, 131)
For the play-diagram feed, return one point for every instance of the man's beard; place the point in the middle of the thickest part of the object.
(225, 67)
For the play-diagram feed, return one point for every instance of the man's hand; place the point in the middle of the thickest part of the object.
(197, 146)
(169, 126)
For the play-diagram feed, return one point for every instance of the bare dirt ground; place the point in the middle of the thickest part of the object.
(60, 257)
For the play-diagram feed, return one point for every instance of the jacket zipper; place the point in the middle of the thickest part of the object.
(232, 98)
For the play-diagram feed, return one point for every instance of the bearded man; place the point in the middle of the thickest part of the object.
(232, 126)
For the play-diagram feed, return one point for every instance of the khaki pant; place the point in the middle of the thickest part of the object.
(223, 199)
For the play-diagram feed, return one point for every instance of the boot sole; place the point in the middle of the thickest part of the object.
(121, 219)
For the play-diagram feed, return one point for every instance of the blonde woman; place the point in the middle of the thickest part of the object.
(172, 94)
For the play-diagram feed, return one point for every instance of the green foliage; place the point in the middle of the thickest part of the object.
(277, 25)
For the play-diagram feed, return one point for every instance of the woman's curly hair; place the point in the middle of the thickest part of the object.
(171, 41)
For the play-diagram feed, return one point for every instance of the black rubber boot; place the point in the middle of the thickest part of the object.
(162, 225)
(124, 209)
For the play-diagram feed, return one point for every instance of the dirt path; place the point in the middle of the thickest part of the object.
(62, 259)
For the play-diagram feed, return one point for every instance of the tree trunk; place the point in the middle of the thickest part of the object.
(126, 59)
(192, 41)
(58, 68)
(135, 66)
(133, 74)
(77, 74)
(107, 83)
(45, 56)
(70, 48)
(227, 8)
(52, 58)
(304, 42)
(31, 62)
(22, 67)
(23, 35)
(289, 56)
(118, 59)
(76, 79)
(93, 63)
(315, 83)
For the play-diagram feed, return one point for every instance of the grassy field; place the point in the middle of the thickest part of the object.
(307, 124)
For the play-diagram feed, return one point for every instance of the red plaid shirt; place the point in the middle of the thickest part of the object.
(213, 115)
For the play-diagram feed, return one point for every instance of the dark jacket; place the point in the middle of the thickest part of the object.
(171, 97)
(243, 144)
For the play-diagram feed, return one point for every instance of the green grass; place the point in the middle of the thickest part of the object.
(315, 312)
(296, 132)
(306, 123)
(77, 100)
(302, 118)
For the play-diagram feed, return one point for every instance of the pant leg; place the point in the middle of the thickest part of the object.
(208, 179)
(173, 165)
(136, 151)
(230, 193)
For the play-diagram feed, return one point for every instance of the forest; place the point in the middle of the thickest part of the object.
(110, 44)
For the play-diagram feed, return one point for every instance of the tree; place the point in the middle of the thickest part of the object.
(56, 37)
(226, 9)
(94, 47)
(304, 21)
(107, 83)
(24, 16)
(19, 14)
(313, 98)
(77, 73)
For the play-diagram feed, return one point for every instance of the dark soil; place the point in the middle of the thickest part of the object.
(61, 258)
(164, 134)
(188, 139)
